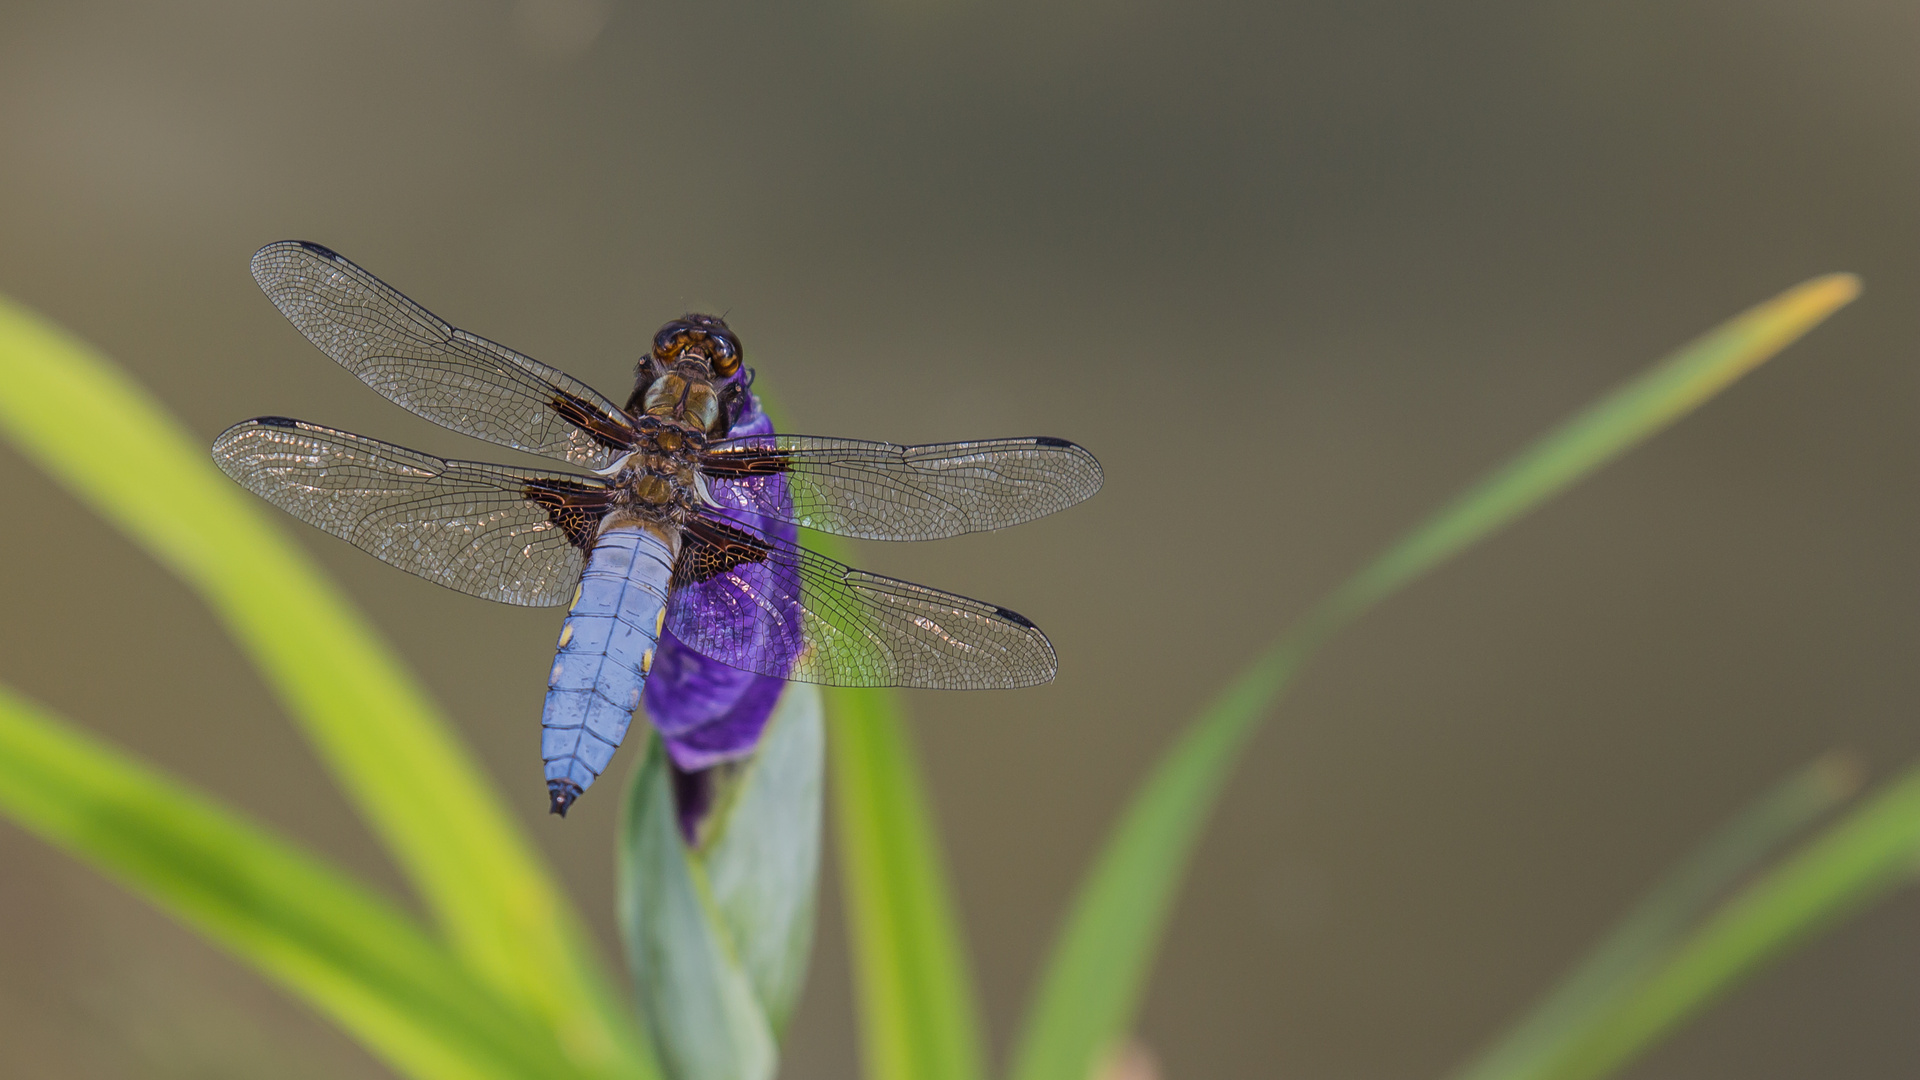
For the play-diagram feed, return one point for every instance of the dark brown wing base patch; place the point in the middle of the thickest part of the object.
(712, 549)
(576, 507)
(611, 432)
(744, 464)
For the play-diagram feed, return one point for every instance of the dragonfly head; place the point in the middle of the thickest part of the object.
(699, 337)
(694, 375)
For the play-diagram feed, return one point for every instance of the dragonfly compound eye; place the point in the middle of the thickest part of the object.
(672, 338)
(723, 350)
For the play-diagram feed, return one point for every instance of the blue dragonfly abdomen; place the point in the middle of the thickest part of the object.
(606, 649)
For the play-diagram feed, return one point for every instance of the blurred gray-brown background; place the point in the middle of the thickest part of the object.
(1294, 271)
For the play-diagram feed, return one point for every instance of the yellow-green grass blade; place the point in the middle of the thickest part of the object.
(1647, 936)
(918, 1017)
(1868, 853)
(1092, 983)
(914, 995)
(413, 781)
(352, 955)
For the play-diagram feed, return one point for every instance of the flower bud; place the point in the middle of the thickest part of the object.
(718, 931)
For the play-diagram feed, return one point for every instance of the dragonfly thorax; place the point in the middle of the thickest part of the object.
(654, 486)
(684, 395)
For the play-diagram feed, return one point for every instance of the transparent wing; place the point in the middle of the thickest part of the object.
(419, 362)
(879, 491)
(776, 609)
(489, 531)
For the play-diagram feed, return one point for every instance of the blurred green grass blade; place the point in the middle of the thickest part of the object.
(412, 780)
(913, 991)
(918, 1018)
(1092, 983)
(1646, 937)
(349, 953)
(1868, 853)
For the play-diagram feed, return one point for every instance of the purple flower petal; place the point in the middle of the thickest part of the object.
(705, 711)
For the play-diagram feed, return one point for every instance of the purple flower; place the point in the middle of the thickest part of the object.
(706, 712)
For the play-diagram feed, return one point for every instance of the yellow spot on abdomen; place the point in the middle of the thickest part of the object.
(646, 662)
(566, 635)
(659, 621)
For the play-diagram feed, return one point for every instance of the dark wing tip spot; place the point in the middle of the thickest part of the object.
(1015, 617)
(284, 245)
(562, 792)
(277, 421)
(1072, 447)
(269, 272)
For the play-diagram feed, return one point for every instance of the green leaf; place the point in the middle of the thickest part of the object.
(411, 779)
(348, 952)
(718, 937)
(1647, 937)
(1093, 981)
(917, 1013)
(1859, 859)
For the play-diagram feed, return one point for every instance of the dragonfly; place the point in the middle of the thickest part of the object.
(669, 521)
